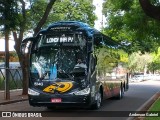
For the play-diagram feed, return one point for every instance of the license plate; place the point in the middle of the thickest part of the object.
(56, 100)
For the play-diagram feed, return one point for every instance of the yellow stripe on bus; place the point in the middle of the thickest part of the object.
(59, 87)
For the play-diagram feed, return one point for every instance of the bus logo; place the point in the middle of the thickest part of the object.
(59, 87)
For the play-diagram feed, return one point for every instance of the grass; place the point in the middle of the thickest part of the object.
(1, 83)
(14, 77)
(154, 108)
(17, 84)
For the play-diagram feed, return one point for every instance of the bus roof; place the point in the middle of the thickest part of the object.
(77, 26)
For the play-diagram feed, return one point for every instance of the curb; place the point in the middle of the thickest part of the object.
(13, 101)
(16, 97)
(146, 105)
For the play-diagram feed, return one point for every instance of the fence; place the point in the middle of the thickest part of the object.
(15, 78)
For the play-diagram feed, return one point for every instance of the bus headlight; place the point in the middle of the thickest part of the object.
(32, 92)
(85, 91)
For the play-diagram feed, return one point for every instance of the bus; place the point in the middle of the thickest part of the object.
(64, 67)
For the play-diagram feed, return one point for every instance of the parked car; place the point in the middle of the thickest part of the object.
(139, 78)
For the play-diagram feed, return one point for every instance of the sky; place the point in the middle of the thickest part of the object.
(11, 45)
(98, 25)
(98, 12)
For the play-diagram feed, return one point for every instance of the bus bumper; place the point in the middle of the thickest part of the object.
(65, 100)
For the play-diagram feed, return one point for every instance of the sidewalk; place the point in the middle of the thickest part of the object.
(15, 96)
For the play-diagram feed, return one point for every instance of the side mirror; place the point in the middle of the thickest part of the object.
(90, 45)
(26, 45)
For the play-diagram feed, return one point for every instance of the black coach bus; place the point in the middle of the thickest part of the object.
(63, 67)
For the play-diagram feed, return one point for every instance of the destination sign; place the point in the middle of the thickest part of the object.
(60, 39)
(63, 39)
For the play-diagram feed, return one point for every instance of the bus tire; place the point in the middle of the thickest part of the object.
(98, 103)
(121, 93)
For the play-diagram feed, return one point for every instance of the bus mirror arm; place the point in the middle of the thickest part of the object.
(25, 45)
(95, 61)
(22, 48)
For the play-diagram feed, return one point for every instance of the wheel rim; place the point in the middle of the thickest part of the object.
(121, 92)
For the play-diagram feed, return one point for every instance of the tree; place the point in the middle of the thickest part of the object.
(17, 24)
(7, 14)
(80, 10)
(44, 17)
(18, 40)
(138, 62)
(152, 9)
(127, 23)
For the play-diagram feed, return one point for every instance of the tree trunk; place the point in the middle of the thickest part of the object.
(7, 86)
(24, 60)
(45, 16)
(149, 9)
(24, 64)
(25, 69)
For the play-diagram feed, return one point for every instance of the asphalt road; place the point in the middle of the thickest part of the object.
(134, 98)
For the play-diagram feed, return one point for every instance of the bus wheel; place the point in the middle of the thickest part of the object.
(98, 103)
(121, 93)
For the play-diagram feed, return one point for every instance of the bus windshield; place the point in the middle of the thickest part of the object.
(65, 59)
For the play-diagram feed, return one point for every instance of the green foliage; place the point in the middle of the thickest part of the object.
(155, 64)
(80, 10)
(14, 84)
(35, 12)
(2, 83)
(127, 22)
(137, 62)
(9, 16)
(123, 56)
